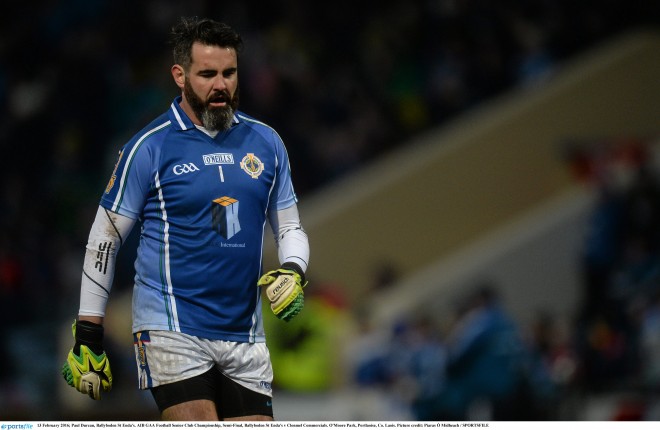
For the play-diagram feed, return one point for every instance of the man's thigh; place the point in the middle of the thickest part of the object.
(194, 410)
(211, 396)
(251, 418)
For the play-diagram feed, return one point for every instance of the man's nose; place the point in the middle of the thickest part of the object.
(219, 83)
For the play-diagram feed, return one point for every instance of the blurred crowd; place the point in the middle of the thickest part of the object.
(618, 326)
(482, 363)
(342, 82)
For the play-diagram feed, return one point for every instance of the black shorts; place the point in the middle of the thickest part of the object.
(231, 399)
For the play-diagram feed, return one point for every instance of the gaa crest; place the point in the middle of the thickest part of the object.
(252, 165)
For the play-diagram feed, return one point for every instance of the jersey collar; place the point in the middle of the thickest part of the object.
(180, 120)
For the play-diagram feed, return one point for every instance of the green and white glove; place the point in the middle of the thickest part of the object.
(87, 368)
(284, 289)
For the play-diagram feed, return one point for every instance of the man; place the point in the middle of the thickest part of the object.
(202, 179)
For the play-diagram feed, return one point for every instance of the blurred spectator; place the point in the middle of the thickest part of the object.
(427, 366)
(482, 369)
(487, 364)
(404, 367)
(550, 369)
(602, 248)
(650, 344)
(621, 265)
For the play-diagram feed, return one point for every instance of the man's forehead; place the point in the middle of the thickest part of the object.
(213, 56)
(199, 49)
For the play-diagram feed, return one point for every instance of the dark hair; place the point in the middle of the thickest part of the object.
(203, 30)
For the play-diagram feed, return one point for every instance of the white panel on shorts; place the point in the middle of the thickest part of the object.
(168, 357)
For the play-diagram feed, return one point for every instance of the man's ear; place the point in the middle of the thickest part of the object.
(179, 75)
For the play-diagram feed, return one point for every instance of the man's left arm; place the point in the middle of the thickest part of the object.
(290, 237)
(284, 286)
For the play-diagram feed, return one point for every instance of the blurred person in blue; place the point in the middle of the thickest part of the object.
(403, 367)
(202, 179)
(427, 367)
(486, 363)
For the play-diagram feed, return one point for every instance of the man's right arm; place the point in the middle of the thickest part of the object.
(105, 238)
(87, 367)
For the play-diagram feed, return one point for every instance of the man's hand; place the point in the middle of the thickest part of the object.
(87, 368)
(284, 289)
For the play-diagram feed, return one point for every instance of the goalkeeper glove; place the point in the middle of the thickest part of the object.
(87, 368)
(284, 289)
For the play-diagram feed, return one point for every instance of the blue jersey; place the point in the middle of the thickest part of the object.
(203, 205)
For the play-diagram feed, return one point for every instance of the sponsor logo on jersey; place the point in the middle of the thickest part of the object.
(224, 215)
(252, 165)
(113, 178)
(232, 245)
(180, 169)
(219, 158)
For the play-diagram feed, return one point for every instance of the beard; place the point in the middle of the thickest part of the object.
(212, 118)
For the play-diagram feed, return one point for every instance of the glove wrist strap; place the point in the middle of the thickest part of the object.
(90, 334)
(293, 266)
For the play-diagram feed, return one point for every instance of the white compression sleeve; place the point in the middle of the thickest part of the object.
(290, 238)
(105, 237)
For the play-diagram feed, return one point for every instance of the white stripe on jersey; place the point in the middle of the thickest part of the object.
(127, 165)
(245, 118)
(255, 321)
(166, 240)
(178, 117)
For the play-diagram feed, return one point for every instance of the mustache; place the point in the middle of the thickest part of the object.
(219, 96)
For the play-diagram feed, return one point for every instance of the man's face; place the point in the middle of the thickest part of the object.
(210, 87)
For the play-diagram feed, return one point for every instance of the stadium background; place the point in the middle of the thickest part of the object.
(434, 144)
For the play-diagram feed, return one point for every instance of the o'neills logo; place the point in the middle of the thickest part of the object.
(218, 158)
